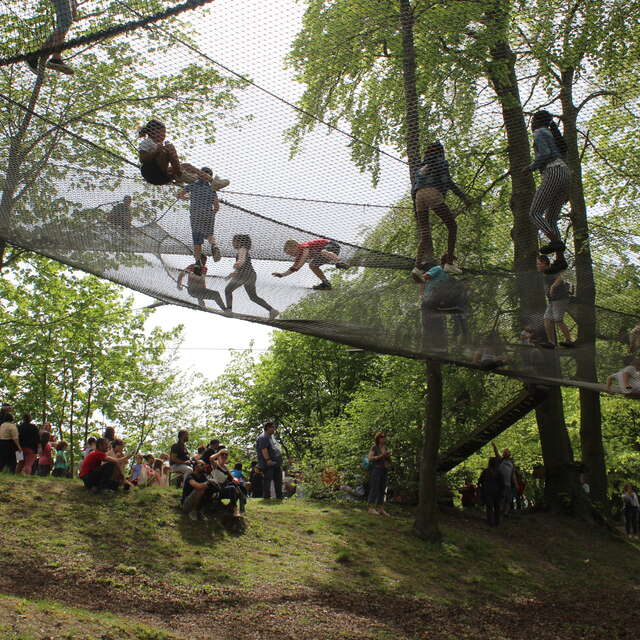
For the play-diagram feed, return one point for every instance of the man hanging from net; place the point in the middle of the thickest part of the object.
(316, 252)
(66, 13)
(431, 183)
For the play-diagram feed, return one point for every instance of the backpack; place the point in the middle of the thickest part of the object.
(366, 463)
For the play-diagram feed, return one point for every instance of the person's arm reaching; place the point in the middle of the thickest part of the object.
(183, 194)
(215, 205)
(300, 260)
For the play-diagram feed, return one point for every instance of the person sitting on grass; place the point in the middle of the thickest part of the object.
(316, 252)
(628, 379)
(228, 486)
(194, 490)
(243, 483)
(159, 477)
(61, 463)
(99, 471)
(558, 294)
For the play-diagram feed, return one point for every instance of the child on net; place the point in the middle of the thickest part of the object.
(159, 160)
(628, 379)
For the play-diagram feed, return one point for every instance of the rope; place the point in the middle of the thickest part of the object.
(132, 25)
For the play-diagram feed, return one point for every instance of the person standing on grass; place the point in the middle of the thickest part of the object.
(9, 441)
(491, 488)
(61, 464)
(380, 460)
(45, 461)
(631, 508)
(29, 440)
(270, 461)
(507, 474)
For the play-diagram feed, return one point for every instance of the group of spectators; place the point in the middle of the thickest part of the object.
(29, 449)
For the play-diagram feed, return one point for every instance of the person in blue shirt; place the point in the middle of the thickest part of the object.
(430, 185)
(550, 150)
(203, 206)
(434, 281)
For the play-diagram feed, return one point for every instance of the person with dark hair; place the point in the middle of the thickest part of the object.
(29, 440)
(109, 434)
(195, 489)
(66, 13)
(270, 461)
(491, 488)
(179, 456)
(99, 470)
(255, 479)
(61, 464)
(120, 214)
(160, 164)
(9, 441)
(45, 460)
(431, 182)
(553, 192)
(380, 459)
(244, 275)
(558, 293)
(213, 447)
(317, 253)
(203, 206)
(90, 446)
(197, 284)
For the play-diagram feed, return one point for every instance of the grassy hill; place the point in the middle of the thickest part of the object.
(76, 565)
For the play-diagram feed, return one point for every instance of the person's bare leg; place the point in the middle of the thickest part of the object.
(215, 249)
(318, 272)
(329, 255)
(425, 241)
(565, 330)
(197, 252)
(185, 167)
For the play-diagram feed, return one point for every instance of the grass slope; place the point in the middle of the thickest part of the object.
(297, 570)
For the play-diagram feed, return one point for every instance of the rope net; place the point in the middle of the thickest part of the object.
(72, 191)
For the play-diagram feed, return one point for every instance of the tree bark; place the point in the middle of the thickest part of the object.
(426, 523)
(593, 455)
(554, 438)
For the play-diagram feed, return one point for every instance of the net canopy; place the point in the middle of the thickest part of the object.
(73, 192)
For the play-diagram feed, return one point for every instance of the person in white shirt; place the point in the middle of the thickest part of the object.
(160, 164)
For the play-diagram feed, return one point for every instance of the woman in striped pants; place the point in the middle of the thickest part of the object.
(553, 192)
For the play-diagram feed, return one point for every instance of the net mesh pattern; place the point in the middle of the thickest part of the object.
(74, 211)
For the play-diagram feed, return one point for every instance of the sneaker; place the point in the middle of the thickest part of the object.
(219, 183)
(32, 62)
(322, 286)
(569, 344)
(57, 64)
(193, 515)
(556, 266)
(341, 265)
(453, 268)
(215, 253)
(552, 247)
(273, 314)
(416, 274)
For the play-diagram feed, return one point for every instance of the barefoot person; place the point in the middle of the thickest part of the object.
(431, 183)
(244, 275)
(380, 460)
(66, 13)
(550, 149)
(316, 253)
(160, 164)
(203, 206)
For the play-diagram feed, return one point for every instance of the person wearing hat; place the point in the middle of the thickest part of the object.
(270, 460)
(203, 206)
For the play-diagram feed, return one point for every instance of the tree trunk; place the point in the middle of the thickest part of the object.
(554, 438)
(590, 415)
(426, 523)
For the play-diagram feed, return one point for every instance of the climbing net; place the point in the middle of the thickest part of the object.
(213, 72)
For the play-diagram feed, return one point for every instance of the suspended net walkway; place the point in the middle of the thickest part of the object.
(73, 192)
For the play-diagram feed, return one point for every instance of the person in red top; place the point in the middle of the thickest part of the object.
(98, 470)
(316, 252)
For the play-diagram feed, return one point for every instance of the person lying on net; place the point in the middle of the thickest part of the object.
(66, 13)
(197, 284)
(628, 379)
(160, 164)
(316, 253)
(244, 275)
(431, 183)
(550, 149)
